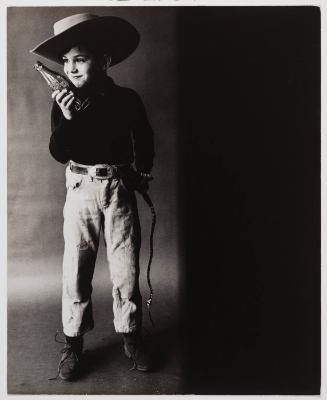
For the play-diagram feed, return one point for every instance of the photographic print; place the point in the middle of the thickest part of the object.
(163, 189)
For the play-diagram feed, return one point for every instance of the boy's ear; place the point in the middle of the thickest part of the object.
(106, 61)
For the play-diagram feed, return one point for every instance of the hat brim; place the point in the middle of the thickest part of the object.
(111, 34)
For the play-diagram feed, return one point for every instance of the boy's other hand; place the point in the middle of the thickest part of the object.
(142, 186)
(64, 99)
(142, 183)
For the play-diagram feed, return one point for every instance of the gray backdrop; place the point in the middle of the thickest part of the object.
(36, 190)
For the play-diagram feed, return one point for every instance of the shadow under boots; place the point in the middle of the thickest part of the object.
(163, 347)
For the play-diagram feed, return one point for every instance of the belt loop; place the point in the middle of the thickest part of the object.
(116, 171)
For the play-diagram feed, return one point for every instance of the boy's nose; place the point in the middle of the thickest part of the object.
(71, 67)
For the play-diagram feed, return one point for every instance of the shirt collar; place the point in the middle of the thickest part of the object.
(108, 85)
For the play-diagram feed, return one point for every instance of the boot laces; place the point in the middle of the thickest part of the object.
(139, 344)
(133, 357)
(68, 350)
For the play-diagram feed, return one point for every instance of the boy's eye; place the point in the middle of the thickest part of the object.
(80, 59)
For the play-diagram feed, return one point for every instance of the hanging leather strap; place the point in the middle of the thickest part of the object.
(147, 199)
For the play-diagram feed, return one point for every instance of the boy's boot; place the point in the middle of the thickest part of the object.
(136, 350)
(71, 355)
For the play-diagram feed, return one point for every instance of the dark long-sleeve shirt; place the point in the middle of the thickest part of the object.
(114, 129)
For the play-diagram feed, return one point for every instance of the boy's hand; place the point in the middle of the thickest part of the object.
(64, 100)
(142, 183)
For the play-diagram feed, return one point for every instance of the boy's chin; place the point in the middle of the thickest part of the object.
(79, 85)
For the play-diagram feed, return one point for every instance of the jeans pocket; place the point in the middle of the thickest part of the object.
(129, 181)
(125, 184)
(73, 181)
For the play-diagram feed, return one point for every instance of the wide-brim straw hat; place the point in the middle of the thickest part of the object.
(112, 35)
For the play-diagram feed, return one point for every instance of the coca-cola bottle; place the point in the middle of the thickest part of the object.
(57, 81)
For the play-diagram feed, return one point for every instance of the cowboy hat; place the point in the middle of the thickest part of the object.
(113, 35)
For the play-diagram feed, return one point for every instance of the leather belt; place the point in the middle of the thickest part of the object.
(100, 171)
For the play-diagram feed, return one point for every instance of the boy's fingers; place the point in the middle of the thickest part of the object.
(54, 94)
(70, 102)
(66, 99)
(60, 95)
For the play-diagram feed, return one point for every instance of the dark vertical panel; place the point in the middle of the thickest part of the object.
(250, 198)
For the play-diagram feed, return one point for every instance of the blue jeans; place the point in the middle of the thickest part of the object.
(93, 204)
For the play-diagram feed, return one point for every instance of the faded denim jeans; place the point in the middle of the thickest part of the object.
(92, 205)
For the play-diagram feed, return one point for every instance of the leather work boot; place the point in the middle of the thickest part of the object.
(136, 350)
(71, 354)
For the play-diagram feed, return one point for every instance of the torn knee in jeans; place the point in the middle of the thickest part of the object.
(83, 245)
(117, 294)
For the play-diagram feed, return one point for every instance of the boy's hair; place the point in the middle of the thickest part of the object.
(95, 49)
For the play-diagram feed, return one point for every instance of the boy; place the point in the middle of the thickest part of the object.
(100, 144)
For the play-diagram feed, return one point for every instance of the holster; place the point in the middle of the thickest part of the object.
(132, 180)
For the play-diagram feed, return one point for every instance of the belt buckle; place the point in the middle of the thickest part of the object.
(92, 171)
(110, 171)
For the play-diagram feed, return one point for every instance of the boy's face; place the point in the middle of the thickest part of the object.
(81, 66)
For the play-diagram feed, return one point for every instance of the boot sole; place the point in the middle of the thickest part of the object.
(142, 368)
(67, 378)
